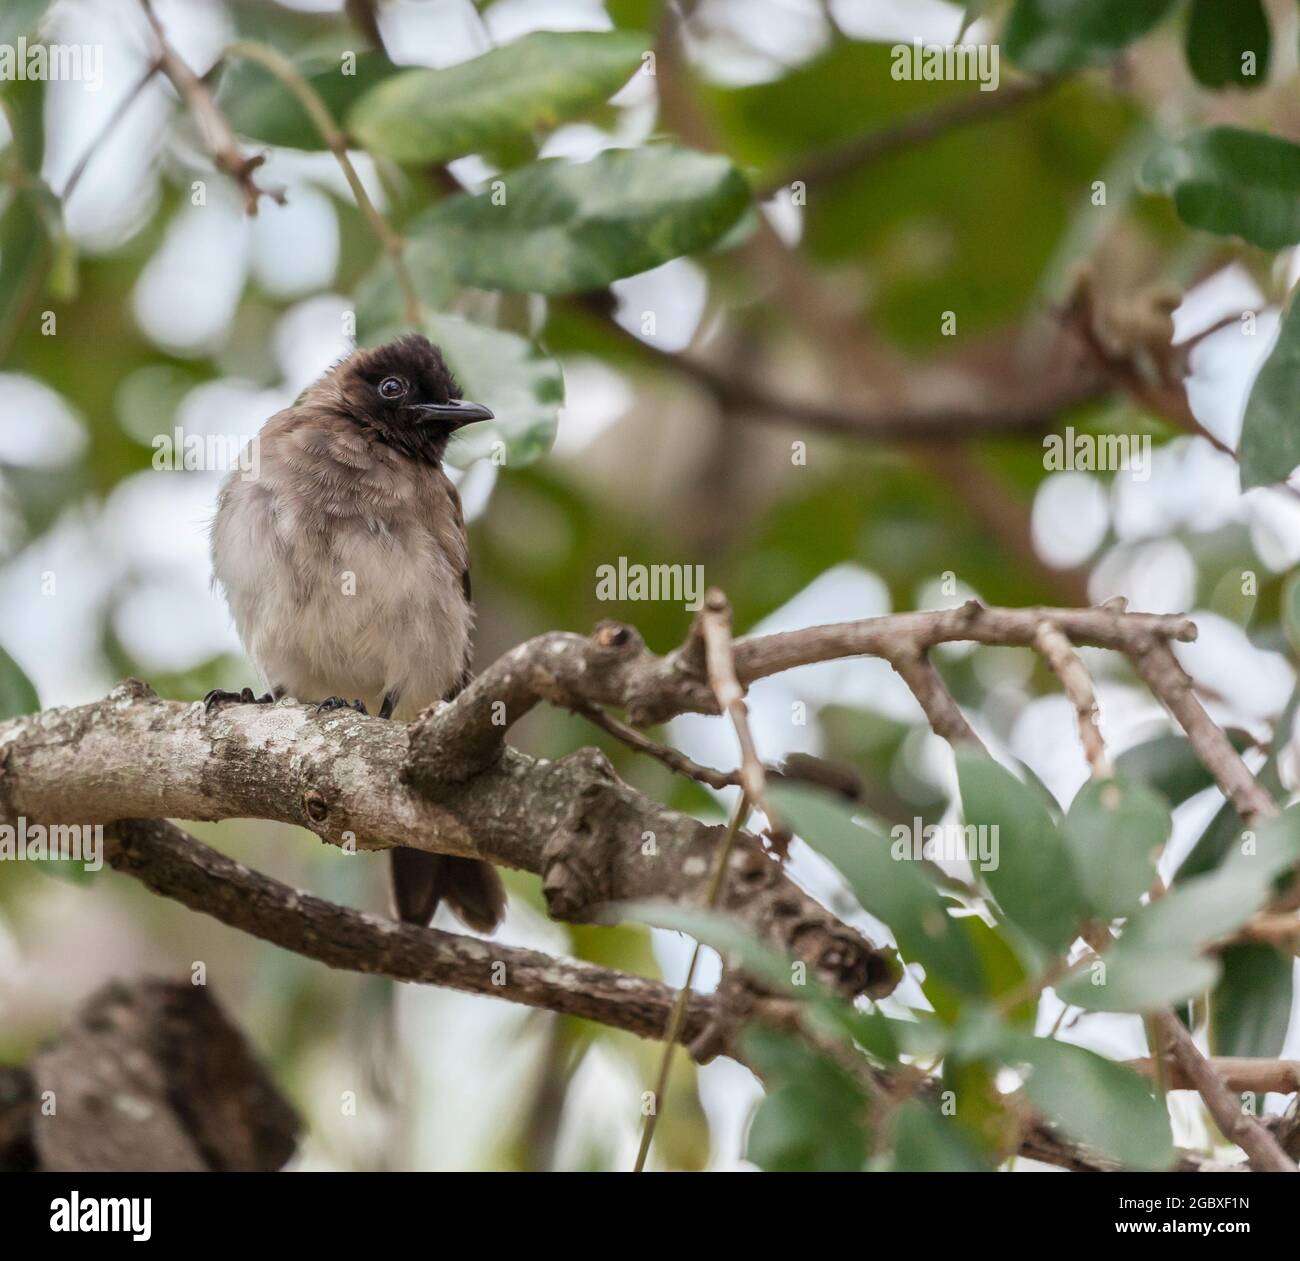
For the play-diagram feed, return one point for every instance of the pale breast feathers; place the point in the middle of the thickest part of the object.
(346, 567)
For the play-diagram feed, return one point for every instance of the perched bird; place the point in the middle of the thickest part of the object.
(346, 566)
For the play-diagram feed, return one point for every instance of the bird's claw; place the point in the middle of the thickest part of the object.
(244, 696)
(331, 703)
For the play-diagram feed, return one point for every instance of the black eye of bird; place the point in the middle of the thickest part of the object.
(392, 387)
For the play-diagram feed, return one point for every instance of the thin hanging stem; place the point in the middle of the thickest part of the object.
(677, 1018)
(337, 143)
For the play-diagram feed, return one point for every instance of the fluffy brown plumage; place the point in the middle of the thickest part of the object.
(346, 566)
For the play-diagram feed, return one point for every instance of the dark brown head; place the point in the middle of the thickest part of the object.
(404, 394)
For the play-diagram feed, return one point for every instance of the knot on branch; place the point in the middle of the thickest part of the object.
(130, 690)
(315, 806)
(847, 964)
(576, 862)
(617, 639)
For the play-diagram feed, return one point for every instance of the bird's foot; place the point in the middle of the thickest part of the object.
(245, 696)
(331, 703)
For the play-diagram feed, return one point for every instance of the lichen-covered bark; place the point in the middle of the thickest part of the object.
(346, 777)
(177, 866)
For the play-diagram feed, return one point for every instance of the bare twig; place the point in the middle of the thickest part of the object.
(111, 124)
(217, 132)
(916, 669)
(1156, 663)
(984, 404)
(858, 154)
(1272, 929)
(1240, 1074)
(391, 242)
(1059, 654)
(674, 759)
(720, 664)
(1237, 1127)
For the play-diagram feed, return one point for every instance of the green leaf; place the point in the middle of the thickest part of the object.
(1225, 827)
(380, 302)
(720, 931)
(1270, 437)
(1221, 831)
(522, 385)
(1168, 764)
(926, 1142)
(17, 694)
(873, 1032)
(1233, 182)
(1250, 1008)
(1157, 959)
(1052, 36)
(1003, 970)
(1114, 830)
(1033, 880)
(873, 224)
(571, 227)
(813, 1116)
(1225, 39)
(889, 884)
(25, 257)
(496, 99)
(258, 105)
(1099, 1103)
(1290, 611)
(1129, 980)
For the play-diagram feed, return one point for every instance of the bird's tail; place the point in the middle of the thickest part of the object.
(472, 888)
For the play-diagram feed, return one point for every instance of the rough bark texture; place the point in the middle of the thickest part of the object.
(175, 865)
(573, 822)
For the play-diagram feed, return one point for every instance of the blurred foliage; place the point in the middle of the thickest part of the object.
(525, 182)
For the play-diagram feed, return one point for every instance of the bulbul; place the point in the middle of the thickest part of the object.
(346, 567)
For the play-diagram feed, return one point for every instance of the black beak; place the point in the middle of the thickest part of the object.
(455, 412)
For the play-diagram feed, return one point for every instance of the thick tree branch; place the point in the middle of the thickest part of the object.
(151, 1076)
(175, 865)
(449, 783)
(344, 777)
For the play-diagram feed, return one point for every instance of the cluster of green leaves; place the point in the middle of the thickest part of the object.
(1049, 877)
(1230, 181)
(551, 227)
(909, 236)
(1227, 42)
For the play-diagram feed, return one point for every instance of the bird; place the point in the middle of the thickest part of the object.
(345, 563)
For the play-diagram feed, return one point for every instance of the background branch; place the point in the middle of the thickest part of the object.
(217, 132)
